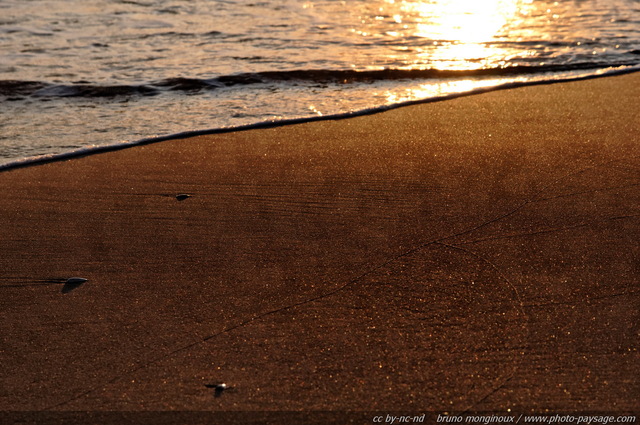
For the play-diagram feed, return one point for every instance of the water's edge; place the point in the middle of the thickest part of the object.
(44, 159)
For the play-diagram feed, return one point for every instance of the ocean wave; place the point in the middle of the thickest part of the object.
(17, 89)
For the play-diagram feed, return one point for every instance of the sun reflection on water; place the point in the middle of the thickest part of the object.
(462, 21)
(446, 34)
(462, 35)
(443, 88)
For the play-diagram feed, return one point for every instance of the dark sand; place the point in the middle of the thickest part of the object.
(477, 254)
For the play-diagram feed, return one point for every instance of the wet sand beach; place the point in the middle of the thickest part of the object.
(477, 254)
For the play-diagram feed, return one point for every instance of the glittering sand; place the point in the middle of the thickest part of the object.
(477, 254)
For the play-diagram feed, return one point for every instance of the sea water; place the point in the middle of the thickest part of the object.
(76, 74)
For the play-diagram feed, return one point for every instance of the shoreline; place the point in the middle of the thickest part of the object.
(476, 254)
(79, 153)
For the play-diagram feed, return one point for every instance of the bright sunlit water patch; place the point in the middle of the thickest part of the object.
(453, 34)
(81, 73)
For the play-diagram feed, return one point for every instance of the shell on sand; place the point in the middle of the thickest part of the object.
(75, 280)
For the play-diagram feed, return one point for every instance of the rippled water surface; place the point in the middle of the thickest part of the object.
(81, 73)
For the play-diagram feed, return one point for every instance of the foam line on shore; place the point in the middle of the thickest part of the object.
(44, 159)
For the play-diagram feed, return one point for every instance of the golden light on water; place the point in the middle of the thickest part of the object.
(465, 27)
(425, 91)
(459, 34)
(449, 35)
(463, 21)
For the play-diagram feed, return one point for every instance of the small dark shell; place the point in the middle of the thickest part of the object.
(182, 196)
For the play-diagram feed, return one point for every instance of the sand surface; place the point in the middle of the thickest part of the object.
(477, 254)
